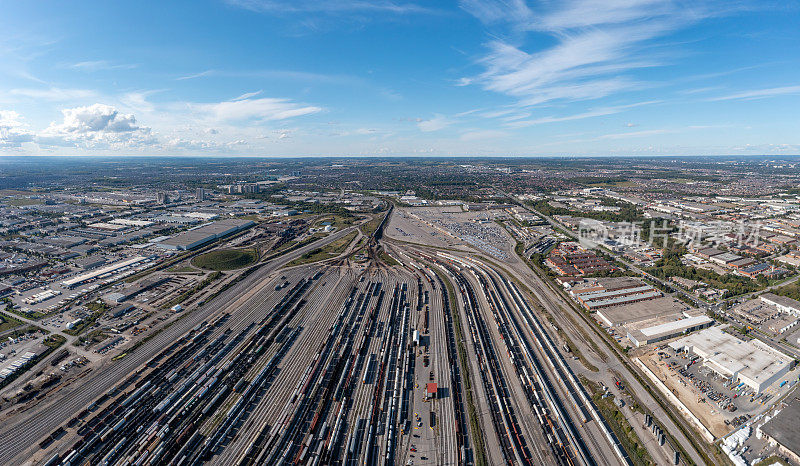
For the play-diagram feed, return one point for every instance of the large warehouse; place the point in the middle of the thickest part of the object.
(105, 271)
(784, 429)
(783, 303)
(752, 362)
(205, 234)
(629, 313)
(646, 334)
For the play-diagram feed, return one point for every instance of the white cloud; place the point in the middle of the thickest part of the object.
(101, 65)
(483, 134)
(760, 93)
(591, 113)
(10, 119)
(264, 109)
(328, 6)
(634, 134)
(138, 101)
(54, 94)
(434, 124)
(768, 148)
(94, 118)
(201, 74)
(12, 130)
(247, 95)
(598, 43)
(202, 146)
(96, 126)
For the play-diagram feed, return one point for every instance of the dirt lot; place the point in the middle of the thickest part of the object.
(708, 413)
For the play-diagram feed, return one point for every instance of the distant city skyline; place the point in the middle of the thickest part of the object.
(400, 78)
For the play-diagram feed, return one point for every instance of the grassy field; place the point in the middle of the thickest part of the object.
(370, 227)
(225, 259)
(7, 322)
(338, 221)
(635, 448)
(326, 252)
(385, 257)
(23, 201)
(183, 269)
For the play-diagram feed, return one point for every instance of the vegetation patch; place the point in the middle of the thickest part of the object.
(385, 257)
(620, 425)
(7, 322)
(369, 228)
(332, 249)
(670, 265)
(791, 290)
(226, 259)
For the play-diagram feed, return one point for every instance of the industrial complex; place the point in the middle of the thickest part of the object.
(750, 362)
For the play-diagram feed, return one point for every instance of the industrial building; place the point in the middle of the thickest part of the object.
(122, 309)
(648, 333)
(132, 291)
(205, 234)
(726, 258)
(751, 362)
(604, 293)
(784, 304)
(784, 430)
(603, 299)
(105, 271)
(630, 313)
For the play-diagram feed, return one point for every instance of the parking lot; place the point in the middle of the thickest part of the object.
(720, 403)
(15, 352)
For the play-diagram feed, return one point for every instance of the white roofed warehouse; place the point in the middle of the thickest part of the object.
(752, 362)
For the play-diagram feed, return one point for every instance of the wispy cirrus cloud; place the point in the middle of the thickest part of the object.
(201, 74)
(54, 93)
(286, 75)
(244, 108)
(593, 50)
(591, 113)
(635, 134)
(101, 65)
(438, 122)
(329, 6)
(479, 135)
(759, 93)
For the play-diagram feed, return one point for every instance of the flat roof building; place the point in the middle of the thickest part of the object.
(708, 252)
(754, 363)
(640, 311)
(644, 335)
(107, 270)
(784, 429)
(783, 303)
(199, 236)
(725, 258)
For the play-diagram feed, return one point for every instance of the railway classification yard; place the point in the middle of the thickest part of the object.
(439, 358)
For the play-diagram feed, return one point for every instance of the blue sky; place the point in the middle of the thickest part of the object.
(397, 77)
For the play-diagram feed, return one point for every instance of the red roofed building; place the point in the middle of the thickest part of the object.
(430, 390)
